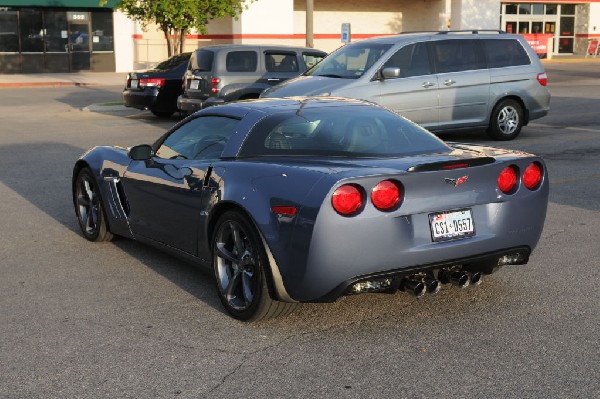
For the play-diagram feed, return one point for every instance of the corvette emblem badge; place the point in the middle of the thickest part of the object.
(457, 182)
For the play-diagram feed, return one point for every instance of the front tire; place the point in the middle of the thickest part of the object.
(89, 207)
(240, 267)
(506, 121)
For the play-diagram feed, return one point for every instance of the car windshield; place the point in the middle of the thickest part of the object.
(350, 61)
(350, 131)
(172, 62)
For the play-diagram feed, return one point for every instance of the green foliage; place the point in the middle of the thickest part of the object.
(177, 17)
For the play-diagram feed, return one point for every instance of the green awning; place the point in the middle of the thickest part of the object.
(57, 3)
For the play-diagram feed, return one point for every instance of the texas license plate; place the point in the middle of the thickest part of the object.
(194, 84)
(451, 225)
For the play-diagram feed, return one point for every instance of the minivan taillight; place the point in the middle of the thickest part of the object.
(542, 78)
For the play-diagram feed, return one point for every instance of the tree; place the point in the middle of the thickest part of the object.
(177, 17)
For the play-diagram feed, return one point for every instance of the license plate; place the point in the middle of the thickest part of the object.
(194, 84)
(451, 225)
(134, 83)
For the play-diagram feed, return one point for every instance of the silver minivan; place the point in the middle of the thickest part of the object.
(443, 81)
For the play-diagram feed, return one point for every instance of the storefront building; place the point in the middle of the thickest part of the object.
(56, 36)
(79, 35)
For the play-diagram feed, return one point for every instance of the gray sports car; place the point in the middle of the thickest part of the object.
(310, 199)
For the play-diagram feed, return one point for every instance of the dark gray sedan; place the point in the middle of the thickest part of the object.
(310, 199)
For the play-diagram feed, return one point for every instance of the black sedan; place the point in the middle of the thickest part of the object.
(157, 89)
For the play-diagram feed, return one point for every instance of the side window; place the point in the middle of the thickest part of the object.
(412, 60)
(201, 138)
(241, 61)
(281, 62)
(504, 53)
(457, 55)
(312, 59)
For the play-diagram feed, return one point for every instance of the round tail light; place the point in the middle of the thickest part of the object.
(386, 195)
(532, 177)
(347, 199)
(507, 179)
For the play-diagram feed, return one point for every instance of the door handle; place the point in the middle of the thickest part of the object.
(273, 79)
(427, 84)
(449, 82)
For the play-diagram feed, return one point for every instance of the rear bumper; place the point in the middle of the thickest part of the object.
(191, 105)
(140, 99)
(396, 276)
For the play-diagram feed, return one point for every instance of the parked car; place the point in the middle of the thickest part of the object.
(443, 81)
(310, 199)
(157, 89)
(218, 74)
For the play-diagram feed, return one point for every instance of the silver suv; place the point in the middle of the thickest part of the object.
(442, 80)
(218, 74)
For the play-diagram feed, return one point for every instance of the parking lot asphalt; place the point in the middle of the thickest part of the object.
(117, 78)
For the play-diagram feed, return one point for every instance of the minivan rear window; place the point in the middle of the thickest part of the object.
(202, 61)
(502, 53)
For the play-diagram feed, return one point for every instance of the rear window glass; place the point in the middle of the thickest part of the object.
(172, 62)
(241, 61)
(339, 132)
(505, 53)
(202, 61)
(457, 55)
(281, 62)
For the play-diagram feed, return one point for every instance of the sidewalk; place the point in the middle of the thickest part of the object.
(63, 79)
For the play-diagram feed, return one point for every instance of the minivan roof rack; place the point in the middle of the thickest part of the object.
(471, 31)
(445, 32)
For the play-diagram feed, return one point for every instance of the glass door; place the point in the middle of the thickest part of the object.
(79, 40)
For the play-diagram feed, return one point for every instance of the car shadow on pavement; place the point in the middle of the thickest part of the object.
(40, 173)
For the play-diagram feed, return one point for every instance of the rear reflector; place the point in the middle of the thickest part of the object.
(285, 210)
(347, 200)
(542, 78)
(507, 180)
(532, 177)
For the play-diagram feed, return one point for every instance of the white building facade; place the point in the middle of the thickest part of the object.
(570, 24)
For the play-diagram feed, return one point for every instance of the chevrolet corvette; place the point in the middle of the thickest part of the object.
(311, 199)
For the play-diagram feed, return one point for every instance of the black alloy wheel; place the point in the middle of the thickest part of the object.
(239, 264)
(89, 207)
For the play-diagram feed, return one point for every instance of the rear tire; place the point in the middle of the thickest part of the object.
(240, 267)
(89, 207)
(162, 114)
(506, 121)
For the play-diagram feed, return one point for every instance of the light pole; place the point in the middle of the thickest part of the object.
(309, 23)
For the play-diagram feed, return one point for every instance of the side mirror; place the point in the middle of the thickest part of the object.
(390, 73)
(141, 152)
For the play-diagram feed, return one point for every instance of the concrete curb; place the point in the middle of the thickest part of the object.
(100, 108)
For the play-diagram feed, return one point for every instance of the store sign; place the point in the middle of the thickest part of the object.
(77, 16)
(538, 41)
